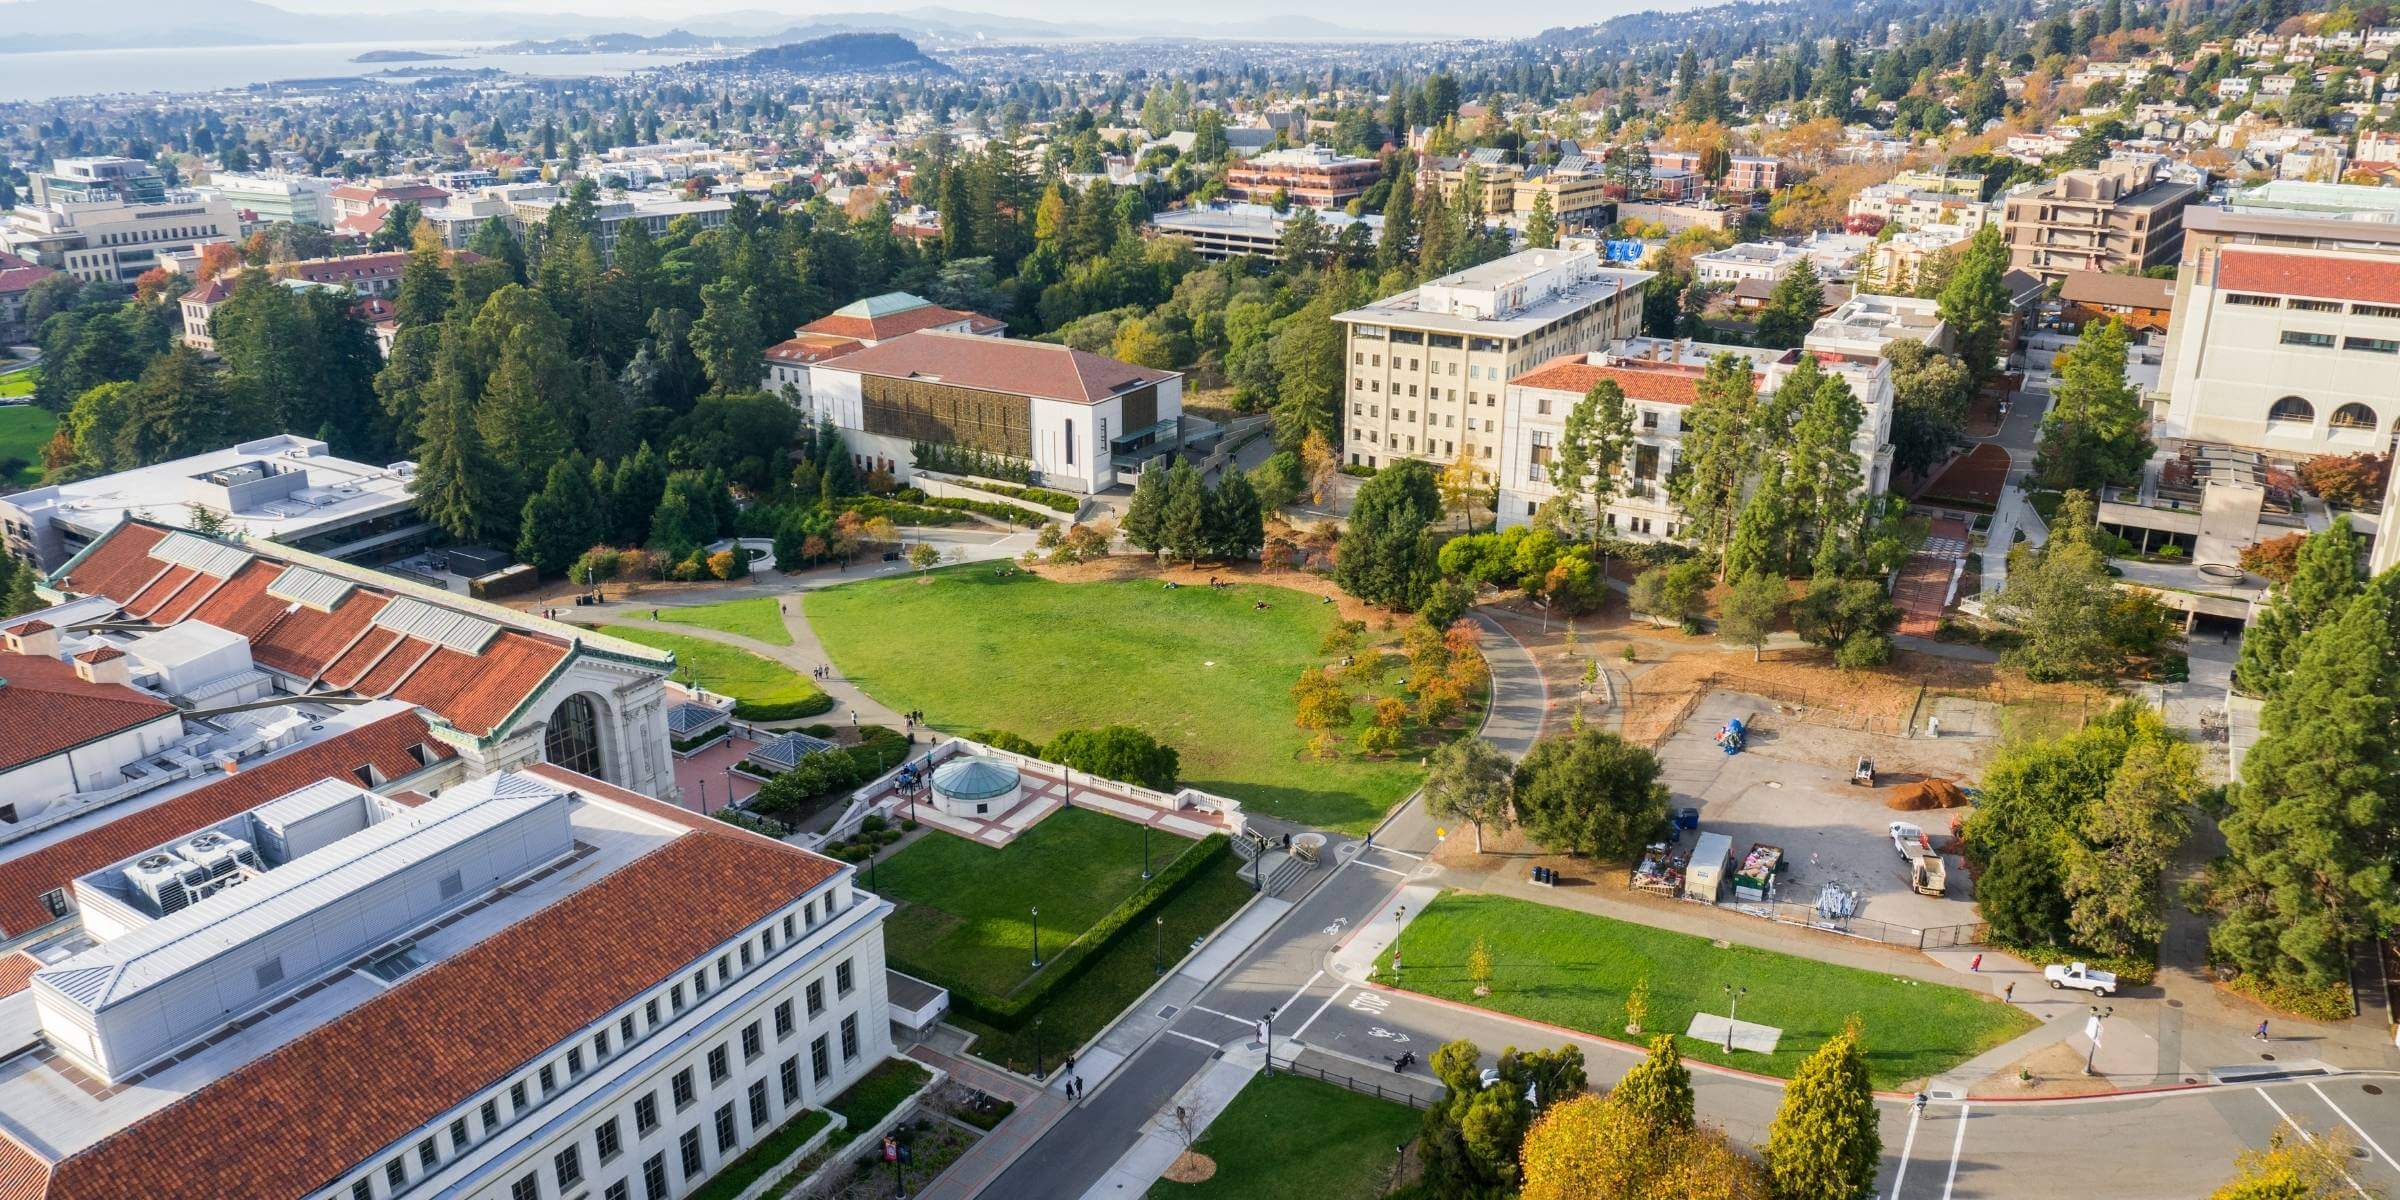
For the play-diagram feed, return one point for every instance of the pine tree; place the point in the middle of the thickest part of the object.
(1541, 226)
(1591, 452)
(1974, 303)
(1398, 247)
(1145, 514)
(425, 288)
(1718, 452)
(2314, 834)
(2324, 577)
(633, 495)
(459, 488)
(1659, 1088)
(17, 578)
(1792, 307)
(1237, 524)
(1183, 519)
(1824, 1143)
(1825, 479)
(562, 520)
(1762, 532)
(2093, 433)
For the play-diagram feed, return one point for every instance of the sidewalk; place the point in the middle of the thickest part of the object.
(1037, 1111)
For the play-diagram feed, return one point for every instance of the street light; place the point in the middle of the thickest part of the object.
(1733, 1006)
(1158, 948)
(1145, 851)
(1037, 1046)
(2091, 1031)
(1269, 1024)
(1036, 910)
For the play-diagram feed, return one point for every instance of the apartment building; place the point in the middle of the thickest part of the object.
(108, 220)
(1426, 368)
(2123, 214)
(1887, 204)
(2286, 329)
(1660, 379)
(1222, 231)
(1498, 177)
(1763, 262)
(525, 986)
(269, 198)
(522, 206)
(1578, 192)
(1894, 263)
(1310, 175)
(1752, 173)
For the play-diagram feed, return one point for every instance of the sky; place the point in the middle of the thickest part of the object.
(1494, 18)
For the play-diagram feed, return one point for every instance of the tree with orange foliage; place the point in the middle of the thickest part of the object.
(151, 285)
(216, 258)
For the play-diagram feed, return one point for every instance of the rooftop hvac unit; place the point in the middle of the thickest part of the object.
(220, 855)
(166, 880)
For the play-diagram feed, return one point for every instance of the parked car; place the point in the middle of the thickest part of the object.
(2077, 975)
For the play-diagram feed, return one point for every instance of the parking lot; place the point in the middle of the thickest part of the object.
(1791, 788)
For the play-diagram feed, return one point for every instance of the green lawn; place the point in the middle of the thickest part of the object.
(1198, 668)
(24, 430)
(965, 910)
(1085, 1006)
(876, 1094)
(756, 619)
(1573, 969)
(736, 1177)
(761, 688)
(1293, 1138)
(19, 383)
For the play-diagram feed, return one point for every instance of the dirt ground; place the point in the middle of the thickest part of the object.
(2057, 1070)
(1143, 566)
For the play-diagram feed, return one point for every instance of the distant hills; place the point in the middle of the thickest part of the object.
(840, 53)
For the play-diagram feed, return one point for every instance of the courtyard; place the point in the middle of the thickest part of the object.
(1205, 670)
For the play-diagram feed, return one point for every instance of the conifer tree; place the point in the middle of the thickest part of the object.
(1183, 519)
(459, 488)
(1824, 1144)
(1792, 307)
(1145, 514)
(2324, 577)
(1658, 1088)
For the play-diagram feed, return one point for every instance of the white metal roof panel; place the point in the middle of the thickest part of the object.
(411, 617)
(310, 588)
(205, 555)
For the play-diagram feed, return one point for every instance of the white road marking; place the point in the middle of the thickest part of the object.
(2305, 1135)
(1228, 1016)
(1360, 862)
(1907, 1147)
(1368, 1002)
(1402, 853)
(1312, 1017)
(1956, 1144)
(1189, 1038)
(2362, 1133)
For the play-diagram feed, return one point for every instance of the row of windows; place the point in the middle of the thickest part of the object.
(2295, 410)
(2247, 300)
(2325, 341)
(172, 233)
(613, 1039)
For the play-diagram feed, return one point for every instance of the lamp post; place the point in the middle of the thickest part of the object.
(1036, 910)
(2091, 1030)
(1733, 1007)
(1145, 851)
(1158, 947)
(1269, 1024)
(1037, 1046)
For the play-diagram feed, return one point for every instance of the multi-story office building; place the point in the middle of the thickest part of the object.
(359, 209)
(524, 205)
(107, 220)
(1911, 208)
(267, 199)
(1578, 192)
(1661, 379)
(1222, 231)
(2286, 329)
(1760, 262)
(1077, 420)
(525, 986)
(1310, 175)
(1499, 179)
(1752, 173)
(1425, 369)
(2123, 214)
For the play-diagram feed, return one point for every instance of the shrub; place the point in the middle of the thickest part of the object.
(2329, 1003)
(782, 710)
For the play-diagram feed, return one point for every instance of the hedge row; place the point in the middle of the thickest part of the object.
(2330, 1003)
(787, 710)
(1014, 514)
(1011, 1012)
(1043, 496)
(2130, 969)
(898, 512)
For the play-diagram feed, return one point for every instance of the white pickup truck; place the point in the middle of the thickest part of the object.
(2077, 975)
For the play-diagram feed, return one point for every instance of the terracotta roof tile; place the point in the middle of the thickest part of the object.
(23, 1174)
(304, 641)
(2323, 276)
(891, 325)
(812, 348)
(385, 745)
(422, 1048)
(15, 971)
(477, 692)
(395, 668)
(46, 708)
(1657, 383)
(118, 564)
(161, 590)
(2129, 291)
(1001, 365)
(100, 654)
(344, 672)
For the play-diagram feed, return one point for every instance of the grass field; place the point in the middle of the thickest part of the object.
(1086, 1005)
(756, 619)
(1574, 969)
(24, 430)
(1292, 1138)
(760, 688)
(19, 383)
(966, 911)
(1197, 668)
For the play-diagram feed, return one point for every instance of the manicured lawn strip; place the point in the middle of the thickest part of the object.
(875, 1095)
(1573, 969)
(1295, 1138)
(756, 618)
(759, 1159)
(20, 383)
(967, 906)
(1123, 972)
(24, 430)
(762, 689)
(1197, 668)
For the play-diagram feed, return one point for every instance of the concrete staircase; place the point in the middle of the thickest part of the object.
(1262, 861)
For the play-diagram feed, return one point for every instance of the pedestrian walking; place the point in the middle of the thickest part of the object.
(2008, 995)
(2261, 1034)
(654, 614)
(1976, 965)
(1919, 1103)
(1079, 1087)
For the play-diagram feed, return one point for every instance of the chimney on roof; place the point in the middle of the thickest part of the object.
(104, 664)
(35, 637)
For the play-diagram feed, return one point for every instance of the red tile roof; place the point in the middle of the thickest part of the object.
(384, 745)
(992, 364)
(100, 654)
(472, 692)
(422, 1048)
(1657, 383)
(2322, 276)
(47, 708)
(908, 320)
(18, 275)
(15, 971)
(812, 348)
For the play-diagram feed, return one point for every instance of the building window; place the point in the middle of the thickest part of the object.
(2292, 409)
(528, 1188)
(458, 1134)
(517, 1102)
(2314, 341)
(849, 1037)
(2352, 416)
(654, 1177)
(682, 1089)
(607, 1141)
(616, 1191)
(783, 1019)
(689, 1144)
(842, 980)
(2372, 345)
(395, 1173)
(789, 1076)
(364, 1189)
(645, 1114)
(491, 1115)
(2385, 311)
(820, 1059)
(727, 1135)
(569, 1165)
(758, 1104)
(1070, 441)
(718, 1065)
(2323, 306)
(572, 739)
(753, 1044)
(549, 1079)
(816, 997)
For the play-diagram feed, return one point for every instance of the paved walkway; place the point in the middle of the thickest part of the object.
(1037, 1111)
